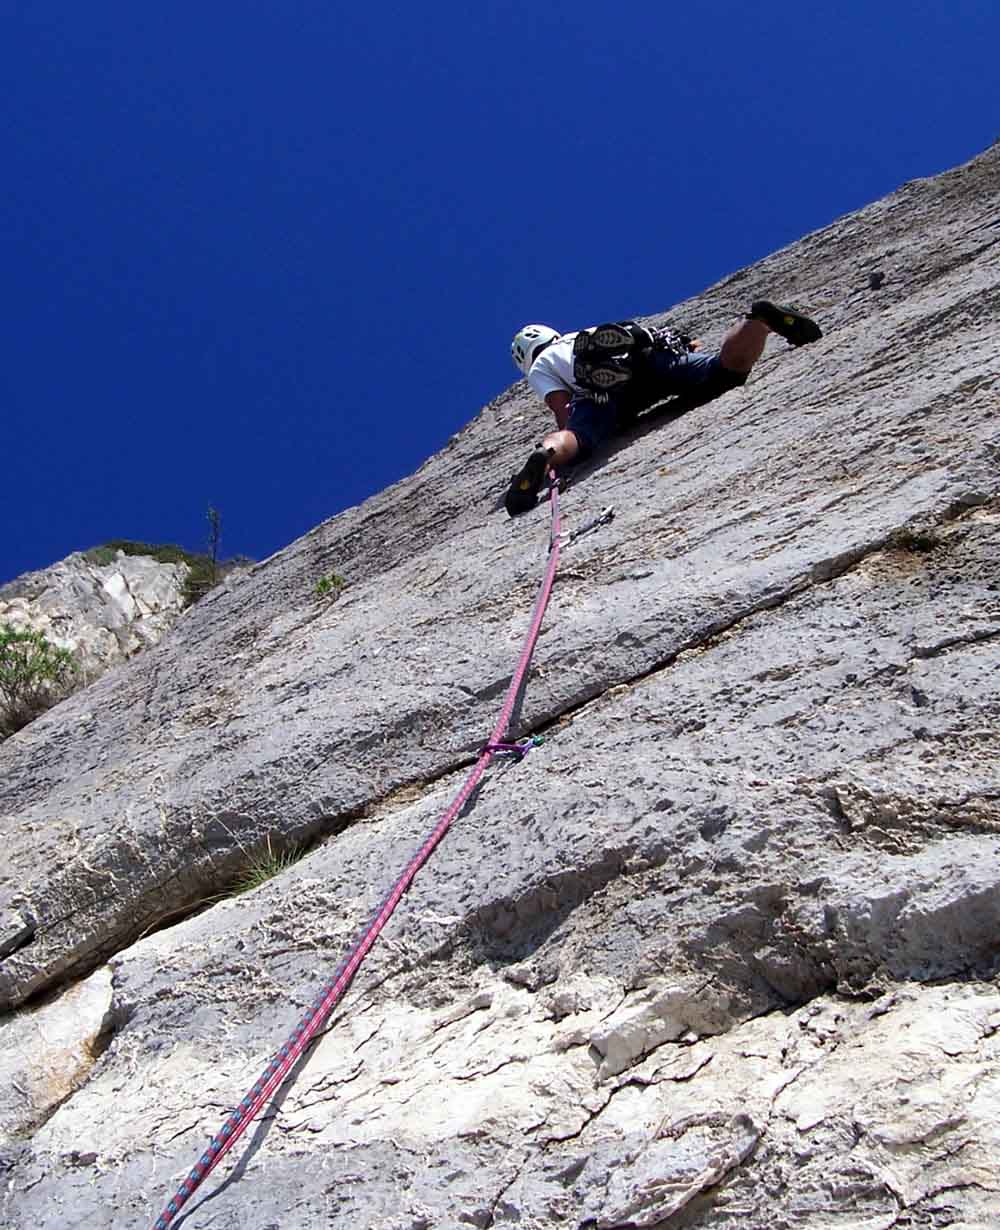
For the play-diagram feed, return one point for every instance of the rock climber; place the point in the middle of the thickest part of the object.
(597, 380)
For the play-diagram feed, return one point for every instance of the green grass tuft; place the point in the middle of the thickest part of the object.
(264, 866)
(332, 584)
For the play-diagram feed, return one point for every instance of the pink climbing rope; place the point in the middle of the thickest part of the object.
(310, 1024)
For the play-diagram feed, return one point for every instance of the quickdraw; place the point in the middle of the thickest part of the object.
(517, 750)
(604, 517)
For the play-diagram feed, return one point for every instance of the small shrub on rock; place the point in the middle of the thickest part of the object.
(34, 675)
(202, 577)
(331, 585)
(163, 552)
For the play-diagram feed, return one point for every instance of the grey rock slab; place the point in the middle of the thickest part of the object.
(667, 1174)
(16, 930)
(769, 778)
(708, 845)
(460, 1116)
(270, 712)
(47, 1051)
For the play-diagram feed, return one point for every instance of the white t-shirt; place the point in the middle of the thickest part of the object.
(552, 371)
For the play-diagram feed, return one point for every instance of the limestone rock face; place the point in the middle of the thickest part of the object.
(102, 613)
(46, 1052)
(722, 952)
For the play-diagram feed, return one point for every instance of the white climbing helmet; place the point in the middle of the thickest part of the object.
(527, 341)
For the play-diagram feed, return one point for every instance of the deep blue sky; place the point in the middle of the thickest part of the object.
(269, 256)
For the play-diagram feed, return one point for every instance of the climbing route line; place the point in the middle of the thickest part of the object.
(316, 1016)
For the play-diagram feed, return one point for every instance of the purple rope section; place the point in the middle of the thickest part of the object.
(316, 1016)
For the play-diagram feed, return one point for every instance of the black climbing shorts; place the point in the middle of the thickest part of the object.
(694, 377)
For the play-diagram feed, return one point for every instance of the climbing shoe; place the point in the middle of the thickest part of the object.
(522, 493)
(626, 335)
(795, 328)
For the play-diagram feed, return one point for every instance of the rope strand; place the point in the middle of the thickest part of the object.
(315, 1018)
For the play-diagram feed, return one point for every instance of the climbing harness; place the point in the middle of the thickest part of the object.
(316, 1016)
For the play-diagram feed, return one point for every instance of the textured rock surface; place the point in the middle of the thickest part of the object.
(723, 952)
(46, 1052)
(103, 613)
